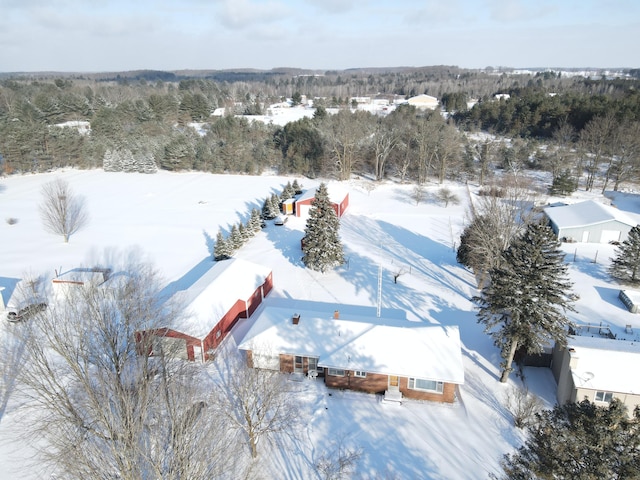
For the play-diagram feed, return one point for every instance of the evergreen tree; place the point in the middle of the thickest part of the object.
(255, 222)
(222, 249)
(523, 307)
(245, 233)
(288, 192)
(112, 161)
(563, 184)
(579, 441)
(235, 238)
(297, 188)
(321, 243)
(625, 266)
(275, 205)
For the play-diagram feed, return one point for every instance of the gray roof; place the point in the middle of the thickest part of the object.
(585, 213)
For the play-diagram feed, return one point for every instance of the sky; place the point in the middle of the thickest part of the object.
(119, 35)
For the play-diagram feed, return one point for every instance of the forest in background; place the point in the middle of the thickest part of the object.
(581, 130)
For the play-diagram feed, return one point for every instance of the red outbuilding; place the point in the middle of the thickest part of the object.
(230, 290)
(339, 200)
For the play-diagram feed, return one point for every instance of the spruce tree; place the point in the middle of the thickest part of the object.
(222, 249)
(322, 247)
(579, 441)
(625, 266)
(297, 188)
(235, 238)
(255, 222)
(288, 192)
(524, 305)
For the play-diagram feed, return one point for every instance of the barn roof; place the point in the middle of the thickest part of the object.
(215, 292)
(337, 193)
(585, 214)
(359, 342)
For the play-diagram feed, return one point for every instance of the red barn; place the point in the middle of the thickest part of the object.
(229, 290)
(339, 200)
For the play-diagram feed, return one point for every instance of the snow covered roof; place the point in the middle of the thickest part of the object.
(606, 364)
(423, 99)
(356, 342)
(336, 193)
(585, 213)
(213, 294)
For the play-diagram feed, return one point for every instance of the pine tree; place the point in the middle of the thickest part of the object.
(235, 238)
(321, 243)
(255, 222)
(625, 266)
(274, 206)
(288, 192)
(524, 305)
(579, 441)
(297, 188)
(221, 250)
(244, 232)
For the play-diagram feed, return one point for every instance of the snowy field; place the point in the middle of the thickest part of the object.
(172, 219)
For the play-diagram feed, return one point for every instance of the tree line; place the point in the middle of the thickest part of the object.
(579, 130)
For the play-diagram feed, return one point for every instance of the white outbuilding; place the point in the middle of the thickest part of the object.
(589, 222)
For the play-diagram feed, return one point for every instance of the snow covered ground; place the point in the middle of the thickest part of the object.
(171, 219)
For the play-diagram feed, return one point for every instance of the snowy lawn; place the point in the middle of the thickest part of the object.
(172, 220)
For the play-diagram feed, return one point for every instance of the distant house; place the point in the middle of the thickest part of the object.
(356, 350)
(229, 290)
(338, 197)
(79, 277)
(424, 102)
(589, 222)
(599, 365)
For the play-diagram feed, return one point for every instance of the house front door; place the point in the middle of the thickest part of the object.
(394, 384)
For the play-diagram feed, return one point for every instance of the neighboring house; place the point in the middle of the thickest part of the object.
(599, 365)
(338, 197)
(79, 277)
(424, 102)
(589, 222)
(229, 290)
(351, 348)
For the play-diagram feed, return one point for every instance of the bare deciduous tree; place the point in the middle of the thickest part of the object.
(257, 402)
(340, 462)
(496, 219)
(446, 196)
(62, 212)
(100, 406)
(523, 405)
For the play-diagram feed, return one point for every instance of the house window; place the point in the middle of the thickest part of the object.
(360, 373)
(336, 372)
(604, 397)
(425, 385)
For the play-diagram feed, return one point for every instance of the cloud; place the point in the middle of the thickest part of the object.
(337, 6)
(436, 12)
(508, 11)
(239, 14)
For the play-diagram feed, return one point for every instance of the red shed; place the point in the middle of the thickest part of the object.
(229, 290)
(339, 199)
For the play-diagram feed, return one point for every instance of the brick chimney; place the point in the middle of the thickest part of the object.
(336, 314)
(295, 318)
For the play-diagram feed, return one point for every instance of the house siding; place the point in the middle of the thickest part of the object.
(448, 394)
(378, 383)
(372, 383)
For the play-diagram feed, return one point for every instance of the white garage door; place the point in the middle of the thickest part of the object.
(610, 236)
(266, 361)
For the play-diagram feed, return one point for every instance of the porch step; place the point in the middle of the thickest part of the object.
(392, 396)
